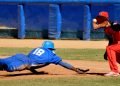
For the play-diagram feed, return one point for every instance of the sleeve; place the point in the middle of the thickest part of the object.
(65, 65)
(55, 59)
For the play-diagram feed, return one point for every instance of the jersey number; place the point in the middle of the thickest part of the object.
(38, 52)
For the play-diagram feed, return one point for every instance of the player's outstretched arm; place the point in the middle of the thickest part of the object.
(70, 67)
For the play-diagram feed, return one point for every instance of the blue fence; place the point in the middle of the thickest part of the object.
(55, 18)
(63, 1)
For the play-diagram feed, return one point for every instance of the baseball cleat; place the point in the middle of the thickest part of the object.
(1, 68)
(112, 74)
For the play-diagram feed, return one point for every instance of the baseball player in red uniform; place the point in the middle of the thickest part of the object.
(113, 49)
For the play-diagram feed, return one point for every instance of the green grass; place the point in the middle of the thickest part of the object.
(81, 54)
(11, 51)
(71, 54)
(69, 81)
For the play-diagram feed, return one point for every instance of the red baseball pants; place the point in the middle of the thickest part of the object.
(113, 52)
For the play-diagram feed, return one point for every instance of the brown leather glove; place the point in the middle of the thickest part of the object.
(81, 71)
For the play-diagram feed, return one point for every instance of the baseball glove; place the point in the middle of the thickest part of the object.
(81, 71)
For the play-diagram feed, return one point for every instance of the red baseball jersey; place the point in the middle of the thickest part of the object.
(115, 34)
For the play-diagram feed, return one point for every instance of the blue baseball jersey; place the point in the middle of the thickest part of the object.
(43, 56)
(14, 62)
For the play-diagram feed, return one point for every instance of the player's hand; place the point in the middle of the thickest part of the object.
(81, 71)
(33, 71)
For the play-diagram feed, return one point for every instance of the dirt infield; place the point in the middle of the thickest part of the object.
(96, 68)
(58, 43)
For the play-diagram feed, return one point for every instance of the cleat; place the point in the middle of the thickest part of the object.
(112, 74)
(1, 68)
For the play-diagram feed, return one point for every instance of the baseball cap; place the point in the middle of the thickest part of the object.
(104, 14)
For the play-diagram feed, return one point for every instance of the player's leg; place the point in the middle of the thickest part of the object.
(3, 64)
(112, 59)
(16, 62)
(16, 66)
(1, 68)
(110, 41)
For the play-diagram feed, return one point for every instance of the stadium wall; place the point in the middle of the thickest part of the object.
(58, 20)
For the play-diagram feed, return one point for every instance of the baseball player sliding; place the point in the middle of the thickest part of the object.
(37, 58)
(112, 30)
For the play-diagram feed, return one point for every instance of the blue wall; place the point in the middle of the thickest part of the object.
(37, 16)
(8, 16)
(72, 17)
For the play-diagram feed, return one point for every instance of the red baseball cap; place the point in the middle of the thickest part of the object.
(104, 13)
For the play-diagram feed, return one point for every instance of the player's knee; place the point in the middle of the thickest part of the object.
(109, 48)
(10, 68)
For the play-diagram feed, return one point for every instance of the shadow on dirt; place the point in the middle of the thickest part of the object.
(46, 73)
(22, 74)
(98, 74)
